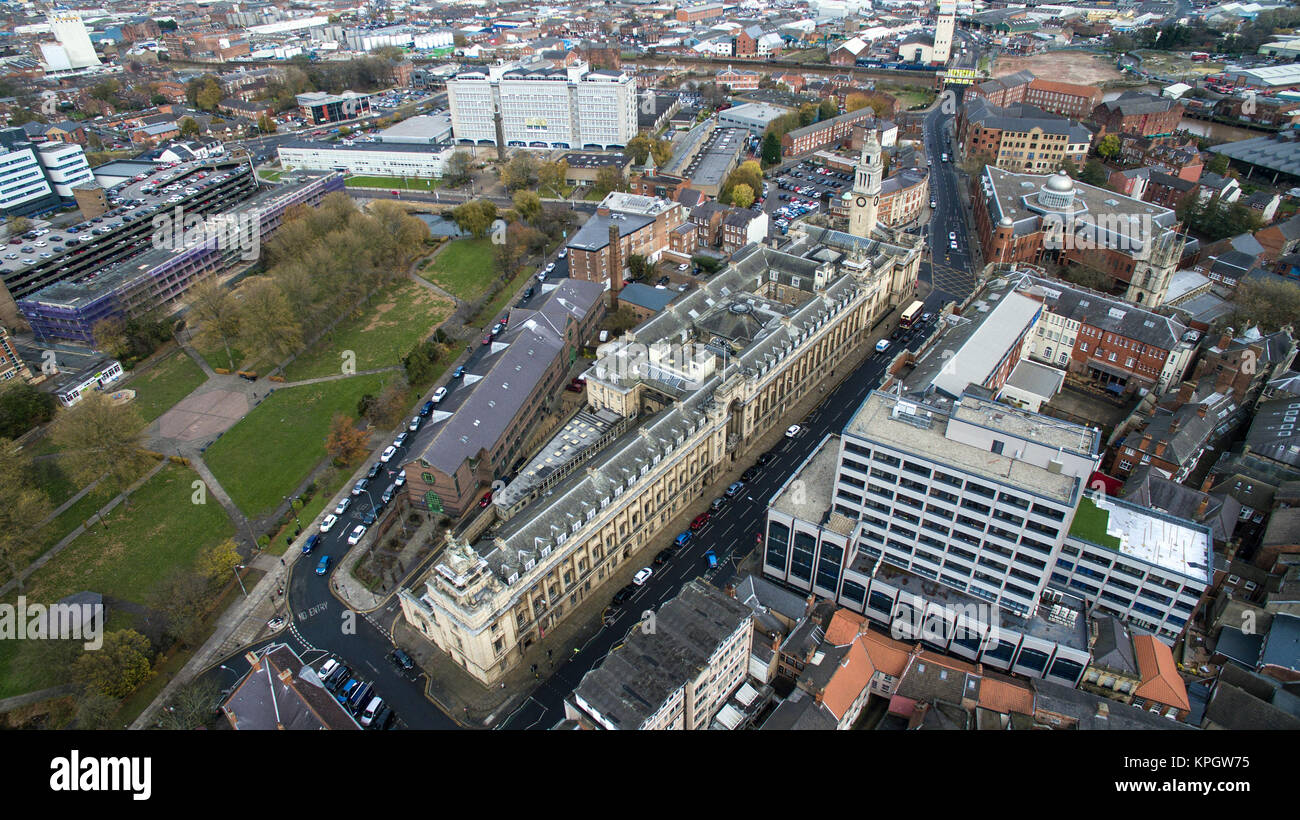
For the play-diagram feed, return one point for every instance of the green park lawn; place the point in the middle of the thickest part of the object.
(265, 456)
(161, 386)
(380, 334)
(160, 528)
(492, 310)
(401, 183)
(464, 268)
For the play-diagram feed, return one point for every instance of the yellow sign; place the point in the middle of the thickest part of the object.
(535, 122)
(961, 76)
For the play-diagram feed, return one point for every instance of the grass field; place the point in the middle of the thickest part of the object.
(216, 356)
(164, 384)
(492, 309)
(161, 528)
(271, 450)
(404, 184)
(463, 268)
(270, 176)
(1090, 524)
(381, 334)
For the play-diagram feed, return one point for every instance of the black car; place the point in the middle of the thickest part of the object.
(663, 280)
(383, 719)
(374, 470)
(338, 677)
(368, 517)
(663, 557)
(750, 474)
(765, 458)
(402, 660)
(624, 593)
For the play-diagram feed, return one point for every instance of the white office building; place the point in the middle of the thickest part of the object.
(366, 158)
(23, 186)
(65, 166)
(543, 107)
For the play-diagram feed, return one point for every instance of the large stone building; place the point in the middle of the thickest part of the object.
(670, 405)
(1022, 217)
(1020, 137)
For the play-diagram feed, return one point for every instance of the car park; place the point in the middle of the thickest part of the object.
(642, 575)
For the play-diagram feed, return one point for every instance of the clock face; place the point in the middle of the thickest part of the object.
(862, 202)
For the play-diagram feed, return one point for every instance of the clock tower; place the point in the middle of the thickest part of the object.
(865, 196)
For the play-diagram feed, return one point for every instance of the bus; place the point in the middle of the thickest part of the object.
(910, 315)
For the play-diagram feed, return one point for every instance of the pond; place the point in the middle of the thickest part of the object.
(441, 226)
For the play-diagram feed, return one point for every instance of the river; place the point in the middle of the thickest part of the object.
(1200, 128)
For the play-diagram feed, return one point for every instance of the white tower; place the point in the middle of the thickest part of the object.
(943, 31)
(68, 29)
(866, 188)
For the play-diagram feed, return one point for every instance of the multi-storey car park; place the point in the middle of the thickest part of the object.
(158, 277)
(102, 242)
(670, 405)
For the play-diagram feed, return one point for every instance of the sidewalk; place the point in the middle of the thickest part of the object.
(473, 705)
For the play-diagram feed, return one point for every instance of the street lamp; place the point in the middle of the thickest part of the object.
(237, 568)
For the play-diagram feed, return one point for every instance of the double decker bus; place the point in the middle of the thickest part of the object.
(910, 315)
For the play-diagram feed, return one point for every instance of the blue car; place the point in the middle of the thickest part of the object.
(712, 558)
(734, 489)
(427, 408)
(324, 565)
(460, 371)
(683, 539)
(311, 544)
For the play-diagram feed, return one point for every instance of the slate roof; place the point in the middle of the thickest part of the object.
(284, 694)
(1109, 314)
(1282, 643)
(1023, 117)
(1113, 649)
(1275, 431)
(1135, 102)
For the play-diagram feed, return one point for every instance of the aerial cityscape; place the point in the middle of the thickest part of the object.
(778, 365)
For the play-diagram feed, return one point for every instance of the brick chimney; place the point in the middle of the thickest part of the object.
(1185, 391)
(615, 267)
(1203, 506)
(1146, 442)
(1160, 448)
(1201, 410)
(1207, 483)
(1225, 339)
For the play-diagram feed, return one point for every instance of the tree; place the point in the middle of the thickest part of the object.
(1268, 303)
(662, 151)
(267, 125)
(458, 170)
(1086, 277)
(22, 407)
(192, 707)
(118, 668)
(189, 127)
(475, 216)
(204, 92)
(345, 443)
(179, 599)
(421, 364)
(742, 196)
(638, 266)
(213, 307)
(267, 323)
(22, 508)
(95, 710)
(527, 204)
(98, 438)
(552, 175)
(1094, 173)
(609, 179)
(217, 561)
(459, 40)
(389, 407)
(520, 172)
(807, 114)
(1108, 147)
(19, 225)
(828, 109)
(639, 148)
(771, 149)
(1218, 164)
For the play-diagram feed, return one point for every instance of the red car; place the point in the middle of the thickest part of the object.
(485, 500)
(487, 340)
(700, 521)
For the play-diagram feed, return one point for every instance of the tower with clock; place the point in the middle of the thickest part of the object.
(866, 188)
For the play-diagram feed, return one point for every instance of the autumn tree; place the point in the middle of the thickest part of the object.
(22, 407)
(22, 508)
(193, 706)
(345, 442)
(1269, 303)
(527, 204)
(742, 196)
(520, 172)
(608, 180)
(118, 667)
(217, 561)
(1108, 147)
(828, 109)
(475, 216)
(268, 325)
(189, 127)
(178, 600)
(98, 437)
(552, 175)
(213, 307)
(458, 170)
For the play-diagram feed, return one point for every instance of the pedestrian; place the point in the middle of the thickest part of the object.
(281, 562)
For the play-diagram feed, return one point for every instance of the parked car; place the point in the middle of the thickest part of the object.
(624, 593)
(718, 503)
(793, 430)
(734, 489)
(458, 372)
(372, 709)
(426, 408)
(401, 478)
(750, 474)
(356, 535)
(368, 517)
(323, 566)
(388, 454)
(342, 506)
(683, 538)
(402, 660)
(485, 500)
(766, 457)
(663, 557)
(328, 522)
(360, 486)
(642, 575)
(711, 558)
(700, 521)
(310, 543)
(882, 345)
(414, 424)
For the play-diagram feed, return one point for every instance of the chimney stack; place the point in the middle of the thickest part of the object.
(1203, 506)
(1200, 410)
(1185, 391)
(1160, 448)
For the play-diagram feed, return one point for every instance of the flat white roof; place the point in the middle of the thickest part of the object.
(1157, 540)
(979, 356)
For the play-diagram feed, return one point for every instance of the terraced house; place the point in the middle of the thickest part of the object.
(679, 397)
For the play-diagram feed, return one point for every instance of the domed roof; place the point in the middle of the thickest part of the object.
(1060, 182)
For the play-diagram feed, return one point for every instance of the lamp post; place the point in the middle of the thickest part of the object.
(237, 568)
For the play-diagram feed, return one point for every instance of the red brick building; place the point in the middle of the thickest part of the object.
(1136, 113)
(826, 132)
(1065, 99)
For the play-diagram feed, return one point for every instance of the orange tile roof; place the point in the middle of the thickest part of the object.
(887, 655)
(844, 627)
(1063, 88)
(1005, 695)
(1160, 679)
(852, 676)
(955, 664)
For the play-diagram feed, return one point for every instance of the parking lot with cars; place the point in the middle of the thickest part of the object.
(801, 189)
